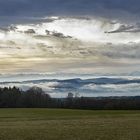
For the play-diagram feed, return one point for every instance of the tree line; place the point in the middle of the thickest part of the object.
(36, 98)
(15, 97)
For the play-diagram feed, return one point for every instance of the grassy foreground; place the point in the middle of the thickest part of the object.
(59, 124)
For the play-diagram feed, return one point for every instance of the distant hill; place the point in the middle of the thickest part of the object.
(97, 81)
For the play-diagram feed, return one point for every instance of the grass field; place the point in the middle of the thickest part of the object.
(59, 124)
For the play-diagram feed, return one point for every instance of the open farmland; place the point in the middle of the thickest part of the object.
(59, 124)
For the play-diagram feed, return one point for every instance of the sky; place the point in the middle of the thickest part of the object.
(69, 37)
(63, 7)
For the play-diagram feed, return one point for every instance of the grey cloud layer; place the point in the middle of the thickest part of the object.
(40, 7)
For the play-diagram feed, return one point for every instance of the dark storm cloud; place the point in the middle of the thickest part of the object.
(126, 29)
(62, 7)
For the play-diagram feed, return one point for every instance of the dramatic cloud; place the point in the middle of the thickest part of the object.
(89, 36)
(70, 44)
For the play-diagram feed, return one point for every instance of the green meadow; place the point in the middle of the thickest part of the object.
(61, 124)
